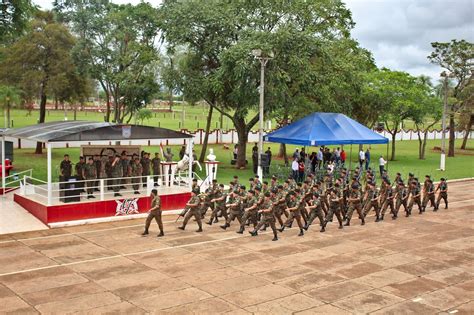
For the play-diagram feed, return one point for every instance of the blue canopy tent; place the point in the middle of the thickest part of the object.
(320, 129)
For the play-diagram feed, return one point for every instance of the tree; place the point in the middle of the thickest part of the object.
(116, 45)
(466, 119)
(9, 95)
(143, 114)
(14, 18)
(398, 96)
(457, 57)
(220, 35)
(37, 59)
(426, 114)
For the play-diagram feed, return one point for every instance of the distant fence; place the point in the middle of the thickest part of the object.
(230, 137)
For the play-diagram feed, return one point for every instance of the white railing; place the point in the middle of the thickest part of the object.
(14, 181)
(102, 189)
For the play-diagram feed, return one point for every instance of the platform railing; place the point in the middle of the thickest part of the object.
(102, 188)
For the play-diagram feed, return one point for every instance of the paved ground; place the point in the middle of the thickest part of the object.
(420, 265)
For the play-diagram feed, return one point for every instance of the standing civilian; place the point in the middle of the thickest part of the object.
(269, 157)
(301, 167)
(296, 154)
(367, 159)
(337, 154)
(343, 157)
(382, 163)
(319, 156)
(294, 168)
(361, 158)
(314, 161)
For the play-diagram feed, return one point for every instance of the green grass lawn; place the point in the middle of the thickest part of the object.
(195, 117)
(461, 166)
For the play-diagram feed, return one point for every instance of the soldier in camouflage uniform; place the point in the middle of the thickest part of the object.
(267, 218)
(372, 202)
(315, 211)
(154, 212)
(80, 173)
(250, 211)
(156, 166)
(234, 209)
(294, 207)
(388, 200)
(125, 169)
(401, 197)
(429, 195)
(415, 197)
(116, 171)
(136, 170)
(89, 173)
(335, 205)
(443, 193)
(219, 205)
(194, 210)
(146, 163)
(354, 204)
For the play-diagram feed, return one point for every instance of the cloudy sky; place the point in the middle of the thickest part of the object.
(399, 32)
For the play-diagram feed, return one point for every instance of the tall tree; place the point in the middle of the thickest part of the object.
(398, 96)
(9, 96)
(37, 58)
(14, 18)
(116, 45)
(221, 35)
(457, 57)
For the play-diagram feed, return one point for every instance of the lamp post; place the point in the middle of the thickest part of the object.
(263, 62)
(442, 164)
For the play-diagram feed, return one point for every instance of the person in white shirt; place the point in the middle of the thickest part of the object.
(382, 163)
(319, 156)
(361, 158)
(294, 168)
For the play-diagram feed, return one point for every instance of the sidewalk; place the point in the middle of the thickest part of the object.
(15, 219)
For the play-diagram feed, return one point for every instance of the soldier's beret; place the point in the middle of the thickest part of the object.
(280, 186)
(355, 186)
(242, 187)
(267, 194)
(442, 178)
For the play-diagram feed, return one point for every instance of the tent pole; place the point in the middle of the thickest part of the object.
(350, 159)
(3, 167)
(50, 184)
(190, 152)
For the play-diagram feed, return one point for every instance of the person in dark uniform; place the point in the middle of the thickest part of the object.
(146, 167)
(255, 158)
(443, 193)
(89, 173)
(136, 170)
(154, 212)
(194, 210)
(65, 169)
(182, 152)
(79, 173)
(108, 172)
(429, 195)
(267, 218)
(269, 157)
(156, 165)
(98, 170)
(116, 172)
(125, 162)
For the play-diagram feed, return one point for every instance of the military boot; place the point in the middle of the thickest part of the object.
(301, 232)
(241, 230)
(275, 237)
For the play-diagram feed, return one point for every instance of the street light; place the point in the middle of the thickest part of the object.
(263, 62)
(442, 164)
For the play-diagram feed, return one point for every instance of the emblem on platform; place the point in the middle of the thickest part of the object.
(126, 131)
(127, 206)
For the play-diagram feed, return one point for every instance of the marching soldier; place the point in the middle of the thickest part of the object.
(219, 205)
(156, 165)
(294, 206)
(429, 195)
(315, 211)
(89, 173)
(234, 209)
(415, 197)
(335, 205)
(443, 193)
(194, 210)
(354, 204)
(388, 200)
(267, 217)
(372, 202)
(155, 210)
(250, 212)
(401, 196)
(136, 170)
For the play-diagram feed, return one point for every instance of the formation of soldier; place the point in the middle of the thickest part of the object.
(265, 204)
(118, 171)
